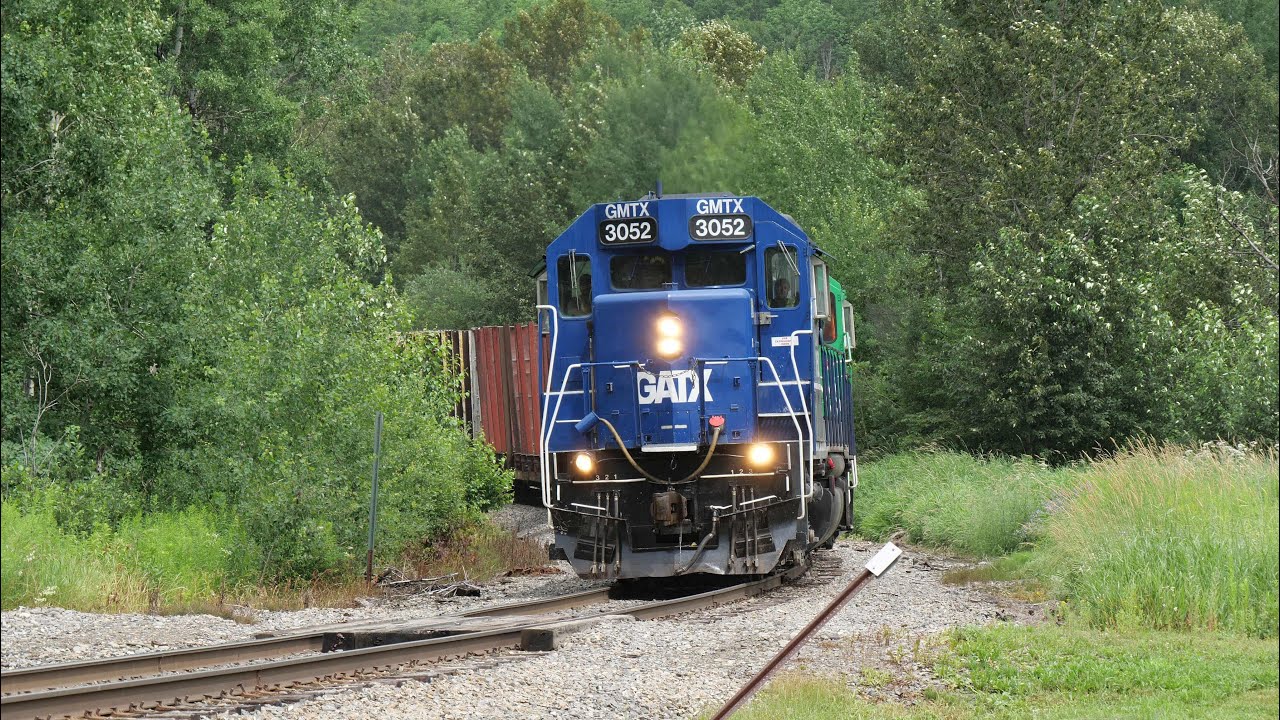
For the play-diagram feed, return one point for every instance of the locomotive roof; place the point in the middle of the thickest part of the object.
(670, 221)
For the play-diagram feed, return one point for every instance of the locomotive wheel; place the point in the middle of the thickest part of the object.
(838, 494)
(846, 519)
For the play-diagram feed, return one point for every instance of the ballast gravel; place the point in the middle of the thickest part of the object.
(669, 668)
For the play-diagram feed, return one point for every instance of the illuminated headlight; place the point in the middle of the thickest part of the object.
(670, 348)
(760, 454)
(669, 327)
(669, 330)
(584, 462)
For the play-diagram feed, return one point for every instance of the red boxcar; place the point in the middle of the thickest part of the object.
(499, 368)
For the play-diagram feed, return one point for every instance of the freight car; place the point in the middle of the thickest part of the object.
(499, 371)
(696, 410)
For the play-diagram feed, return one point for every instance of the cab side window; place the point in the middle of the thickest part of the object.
(573, 273)
(830, 327)
(782, 279)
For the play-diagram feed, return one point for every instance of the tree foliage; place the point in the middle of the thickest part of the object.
(161, 349)
(224, 222)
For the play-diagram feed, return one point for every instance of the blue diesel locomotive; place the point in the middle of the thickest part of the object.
(697, 413)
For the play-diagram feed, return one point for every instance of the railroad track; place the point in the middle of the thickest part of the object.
(163, 680)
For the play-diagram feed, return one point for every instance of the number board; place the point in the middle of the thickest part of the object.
(624, 231)
(720, 227)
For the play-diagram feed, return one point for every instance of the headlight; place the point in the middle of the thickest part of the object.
(760, 454)
(670, 348)
(584, 462)
(669, 330)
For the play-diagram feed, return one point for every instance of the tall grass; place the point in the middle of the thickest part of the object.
(192, 561)
(42, 565)
(1154, 537)
(975, 506)
(1167, 538)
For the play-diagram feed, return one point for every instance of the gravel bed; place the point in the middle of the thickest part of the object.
(39, 636)
(672, 668)
(678, 668)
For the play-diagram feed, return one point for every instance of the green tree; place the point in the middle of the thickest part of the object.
(246, 70)
(292, 353)
(732, 56)
(1045, 141)
(814, 30)
(104, 204)
(550, 40)
(464, 85)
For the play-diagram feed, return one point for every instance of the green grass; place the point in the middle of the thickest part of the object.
(1168, 539)
(973, 506)
(1059, 673)
(1153, 538)
(41, 565)
(176, 562)
(149, 562)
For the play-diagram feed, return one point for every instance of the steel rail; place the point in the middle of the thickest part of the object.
(562, 602)
(45, 677)
(151, 692)
(879, 563)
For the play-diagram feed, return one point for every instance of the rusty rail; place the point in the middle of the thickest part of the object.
(881, 562)
(47, 677)
(150, 692)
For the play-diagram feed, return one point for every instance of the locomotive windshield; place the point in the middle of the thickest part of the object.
(574, 285)
(647, 271)
(707, 268)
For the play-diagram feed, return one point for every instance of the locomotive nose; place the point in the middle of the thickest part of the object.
(675, 359)
(674, 326)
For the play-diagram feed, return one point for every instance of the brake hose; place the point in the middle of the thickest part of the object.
(697, 553)
(715, 438)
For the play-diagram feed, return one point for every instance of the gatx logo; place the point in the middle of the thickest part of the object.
(676, 386)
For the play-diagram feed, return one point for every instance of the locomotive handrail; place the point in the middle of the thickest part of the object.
(804, 405)
(546, 400)
(548, 421)
(543, 448)
(791, 413)
(548, 424)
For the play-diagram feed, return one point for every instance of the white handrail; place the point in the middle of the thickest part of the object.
(544, 448)
(792, 413)
(546, 401)
(804, 405)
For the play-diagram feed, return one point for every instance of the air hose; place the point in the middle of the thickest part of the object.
(715, 438)
(697, 553)
(717, 422)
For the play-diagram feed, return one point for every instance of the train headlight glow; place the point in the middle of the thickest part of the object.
(584, 462)
(669, 327)
(670, 347)
(669, 330)
(760, 454)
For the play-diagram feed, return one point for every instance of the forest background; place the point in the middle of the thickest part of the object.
(1057, 223)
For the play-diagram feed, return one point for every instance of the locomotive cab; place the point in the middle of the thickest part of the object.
(697, 413)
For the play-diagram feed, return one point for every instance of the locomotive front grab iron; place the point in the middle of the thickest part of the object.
(697, 413)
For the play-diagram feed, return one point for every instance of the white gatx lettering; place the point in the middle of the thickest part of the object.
(675, 386)
(719, 206)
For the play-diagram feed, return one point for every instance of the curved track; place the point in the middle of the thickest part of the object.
(85, 687)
